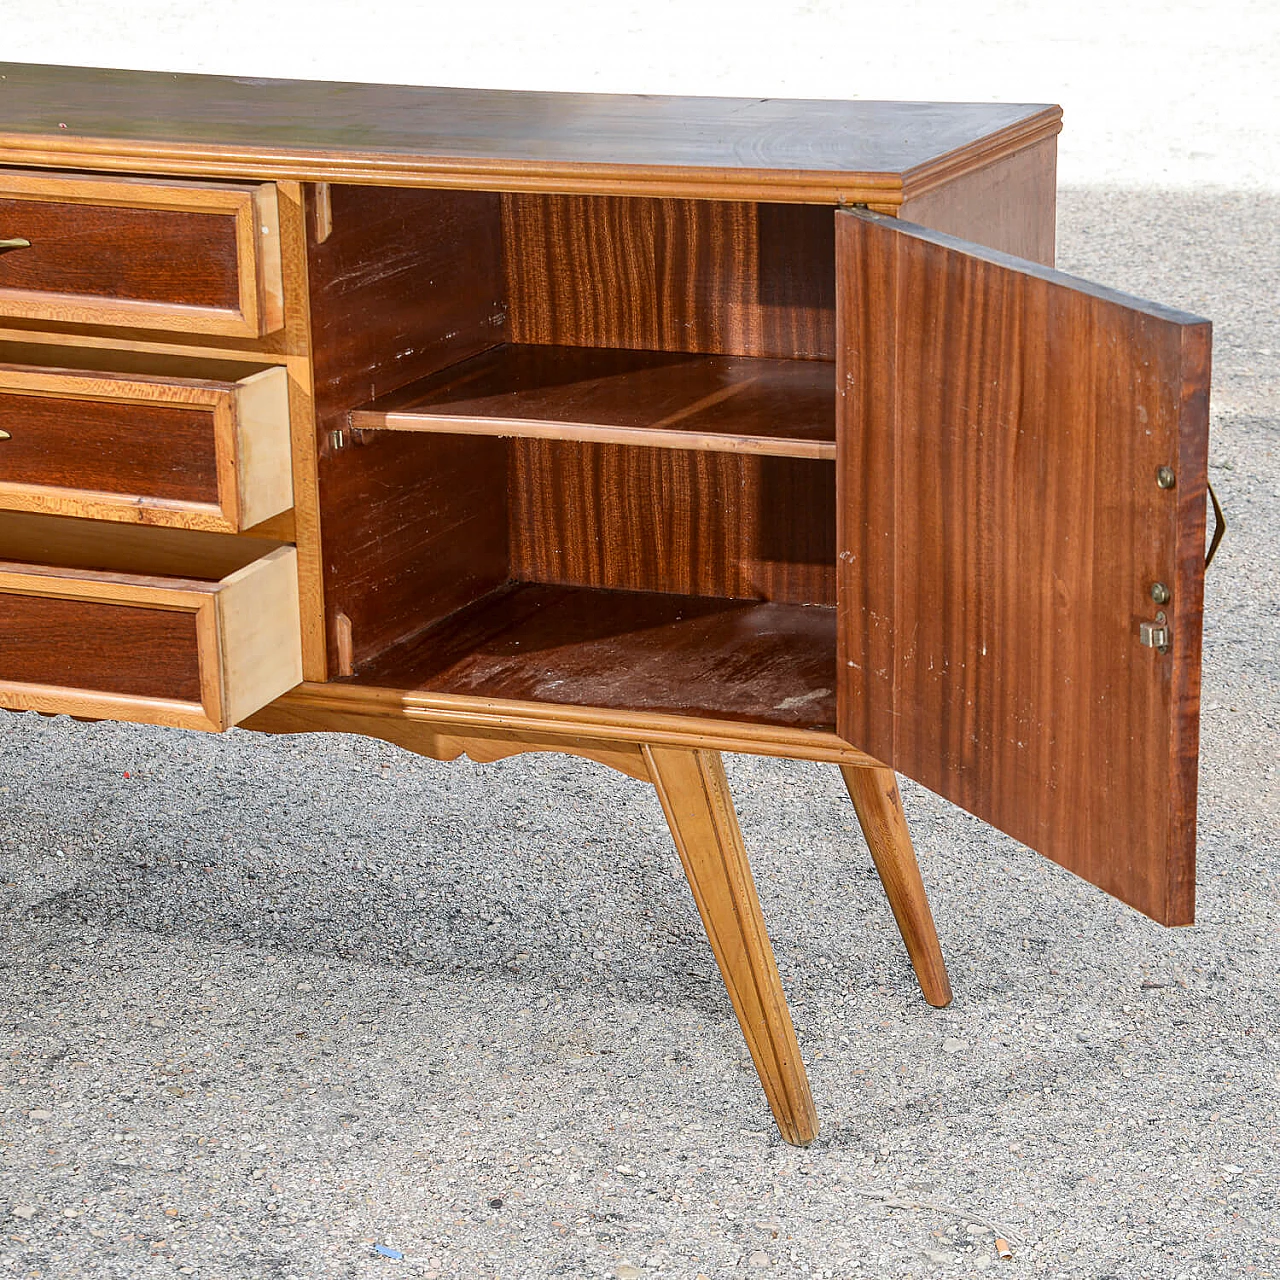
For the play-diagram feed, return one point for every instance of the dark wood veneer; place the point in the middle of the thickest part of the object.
(715, 524)
(502, 139)
(671, 275)
(100, 251)
(991, 595)
(767, 663)
(405, 283)
(81, 644)
(159, 451)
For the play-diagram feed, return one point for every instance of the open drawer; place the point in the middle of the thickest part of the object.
(157, 626)
(175, 255)
(148, 439)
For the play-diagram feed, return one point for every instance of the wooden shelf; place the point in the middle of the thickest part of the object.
(627, 650)
(729, 404)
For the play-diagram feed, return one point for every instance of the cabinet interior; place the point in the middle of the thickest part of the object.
(579, 449)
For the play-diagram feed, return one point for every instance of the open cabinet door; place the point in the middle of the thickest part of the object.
(1004, 523)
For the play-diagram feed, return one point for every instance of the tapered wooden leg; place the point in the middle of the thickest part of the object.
(875, 797)
(695, 797)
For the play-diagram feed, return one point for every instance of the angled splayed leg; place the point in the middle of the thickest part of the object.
(695, 797)
(875, 797)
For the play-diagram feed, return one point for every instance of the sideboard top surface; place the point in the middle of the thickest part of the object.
(733, 148)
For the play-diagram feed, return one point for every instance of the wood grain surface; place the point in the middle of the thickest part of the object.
(821, 151)
(1008, 205)
(196, 452)
(294, 714)
(462, 715)
(878, 804)
(768, 663)
(689, 522)
(123, 447)
(729, 404)
(405, 283)
(671, 275)
(992, 586)
(84, 644)
(193, 257)
(415, 527)
(99, 546)
(146, 255)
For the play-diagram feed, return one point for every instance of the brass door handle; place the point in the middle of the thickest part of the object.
(17, 242)
(1219, 528)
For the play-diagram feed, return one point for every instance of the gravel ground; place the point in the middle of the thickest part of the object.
(268, 1004)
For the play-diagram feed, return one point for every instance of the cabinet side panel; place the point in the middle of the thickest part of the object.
(424, 531)
(403, 283)
(1009, 205)
(689, 522)
(671, 275)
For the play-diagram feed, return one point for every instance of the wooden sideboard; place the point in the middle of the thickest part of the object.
(637, 428)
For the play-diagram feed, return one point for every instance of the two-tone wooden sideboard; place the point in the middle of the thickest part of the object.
(638, 428)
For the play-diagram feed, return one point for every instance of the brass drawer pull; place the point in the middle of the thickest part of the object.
(16, 243)
(4, 435)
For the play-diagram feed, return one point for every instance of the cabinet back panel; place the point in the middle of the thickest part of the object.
(739, 526)
(404, 283)
(671, 275)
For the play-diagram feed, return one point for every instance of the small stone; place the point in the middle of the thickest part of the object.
(624, 1169)
(304, 986)
(23, 1211)
(758, 1259)
(495, 1203)
(71, 1213)
(627, 1271)
(954, 1045)
(939, 1258)
(40, 1115)
(976, 1229)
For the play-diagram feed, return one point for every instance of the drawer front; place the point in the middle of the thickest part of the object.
(196, 453)
(185, 652)
(111, 648)
(183, 256)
